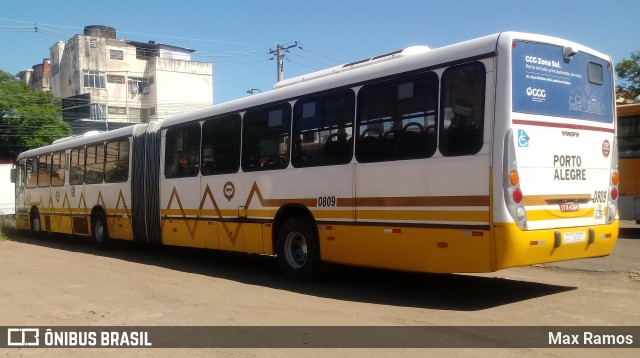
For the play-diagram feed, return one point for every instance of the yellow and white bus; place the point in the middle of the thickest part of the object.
(474, 157)
(629, 149)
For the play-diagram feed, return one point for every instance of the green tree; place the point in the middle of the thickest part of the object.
(28, 118)
(628, 71)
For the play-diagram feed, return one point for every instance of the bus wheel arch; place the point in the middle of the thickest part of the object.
(296, 243)
(34, 220)
(99, 228)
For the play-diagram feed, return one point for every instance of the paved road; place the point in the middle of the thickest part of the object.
(60, 281)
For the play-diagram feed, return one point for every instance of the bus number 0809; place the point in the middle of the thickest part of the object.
(326, 201)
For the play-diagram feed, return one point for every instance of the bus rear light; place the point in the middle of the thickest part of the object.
(614, 194)
(513, 197)
(514, 178)
(517, 195)
(615, 178)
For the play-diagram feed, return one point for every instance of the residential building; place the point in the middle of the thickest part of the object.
(106, 82)
(38, 77)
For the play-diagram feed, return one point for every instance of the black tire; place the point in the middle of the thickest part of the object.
(298, 250)
(99, 231)
(35, 222)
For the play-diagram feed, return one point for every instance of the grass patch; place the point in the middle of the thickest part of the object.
(7, 227)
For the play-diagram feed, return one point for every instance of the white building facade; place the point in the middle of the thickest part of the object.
(104, 80)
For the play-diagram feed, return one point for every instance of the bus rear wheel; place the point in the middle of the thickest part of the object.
(100, 234)
(298, 250)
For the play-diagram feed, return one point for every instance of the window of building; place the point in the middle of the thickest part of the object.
(76, 167)
(95, 79)
(137, 85)
(94, 164)
(462, 109)
(98, 112)
(145, 53)
(115, 79)
(58, 165)
(116, 167)
(116, 54)
(397, 119)
(182, 151)
(44, 171)
(117, 110)
(322, 129)
(265, 138)
(221, 145)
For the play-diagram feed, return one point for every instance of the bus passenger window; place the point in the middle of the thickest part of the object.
(44, 171)
(76, 167)
(94, 164)
(58, 166)
(221, 145)
(323, 132)
(117, 162)
(462, 109)
(265, 138)
(32, 172)
(397, 119)
(182, 151)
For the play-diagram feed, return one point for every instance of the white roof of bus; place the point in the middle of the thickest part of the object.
(78, 141)
(346, 75)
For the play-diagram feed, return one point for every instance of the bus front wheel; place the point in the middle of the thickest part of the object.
(100, 235)
(298, 250)
(36, 227)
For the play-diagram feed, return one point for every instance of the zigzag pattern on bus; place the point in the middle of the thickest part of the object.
(232, 235)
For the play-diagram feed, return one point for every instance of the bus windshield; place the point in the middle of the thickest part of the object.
(547, 83)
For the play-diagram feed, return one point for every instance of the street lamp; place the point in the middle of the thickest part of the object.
(253, 91)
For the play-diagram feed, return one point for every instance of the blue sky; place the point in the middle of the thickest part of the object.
(237, 35)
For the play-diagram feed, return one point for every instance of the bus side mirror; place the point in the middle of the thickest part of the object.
(13, 175)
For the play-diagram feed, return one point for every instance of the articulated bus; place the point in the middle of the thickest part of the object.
(491, 153)
(629, 149)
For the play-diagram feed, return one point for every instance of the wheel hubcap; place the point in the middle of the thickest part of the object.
(99, 231)
(295, 250)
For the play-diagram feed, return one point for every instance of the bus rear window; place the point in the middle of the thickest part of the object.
(595, 73)
(548, 84)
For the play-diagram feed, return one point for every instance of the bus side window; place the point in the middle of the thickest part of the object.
(94, 164)
(76, 167)
(322, 130)
(32, 172)
(462, 109)
(221, 145)
(397, 119)
(117, 162)
(182, 151)
(44, 171)
(265, 138)
(58, 166)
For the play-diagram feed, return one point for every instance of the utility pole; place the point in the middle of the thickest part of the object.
(279, 52)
